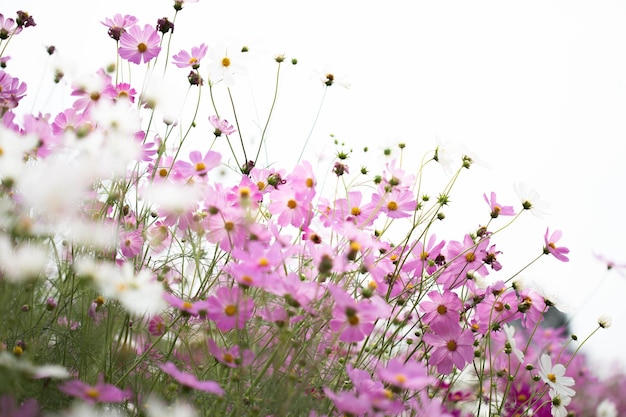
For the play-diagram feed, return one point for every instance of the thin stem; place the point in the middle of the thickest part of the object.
(319, 110)
(267, 123)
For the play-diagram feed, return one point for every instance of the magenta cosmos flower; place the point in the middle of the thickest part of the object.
(190, 380)
(137, 44)
(551, 248)
(229, 308)
(452, 346)
(99, 393)
(184, 59)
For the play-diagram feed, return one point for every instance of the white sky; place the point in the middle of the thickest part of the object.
(536, 89)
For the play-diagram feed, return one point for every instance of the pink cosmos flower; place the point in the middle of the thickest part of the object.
(190, 380)
(396, 204)
(444, 307)
(221, 126)
(291, 207)
(184, 59)
(90, 90)
(195, 309)
(125, 91)
(131, 242)
(229, 308)
(156, 326)
(99, 393)
(551, 248)
(495, 309)
(348, 403)
(73, 121)
(497, 209)
(353, 320)
(137, 45)
(200, 165)
(232, 357)
(352, 210)
(409, 375)
(452, 346)
(426, 257)
(9, 407)
(8, 27)
(532, 305)
(464, 257)
(118, 25)
(11, 91)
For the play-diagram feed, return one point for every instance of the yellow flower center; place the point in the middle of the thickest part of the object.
(451, 345)
(142, 47)
(187, 305)
(200, 166)
(95, 96)
(470, 257)
(309, 182)
(260, 185)
(244, 192)
(292, 204)
(225, 61)
(193, 60)
(424, 256)
(551, 377)
(92, 393)
(229, 226)
(392, 205)
(230, 310)
(228, 358)
(400, 378)
(353, 320)
(441, 309)
(163, 173)
(263, 261)
(355, 211)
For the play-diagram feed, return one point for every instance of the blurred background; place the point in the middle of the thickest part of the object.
(534, 90)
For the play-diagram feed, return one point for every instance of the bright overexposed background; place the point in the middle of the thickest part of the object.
(536, 90)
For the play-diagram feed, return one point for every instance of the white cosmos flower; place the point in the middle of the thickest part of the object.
(139, 293)
(559, 402)
(157, 408)
(23, 262)
(555, 377)
(606, 408)
(531, 200)
(509, 331)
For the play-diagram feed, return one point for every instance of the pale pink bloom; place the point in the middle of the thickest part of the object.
(496, 208)
(221, 126)
(99, 393)
(137, 44)
(184, 59)
(551, 248)
(118, 25)
(190, 380)
(232, 357)
(402, 374)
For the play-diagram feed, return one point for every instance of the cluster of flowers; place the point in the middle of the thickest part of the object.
(135, 281)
